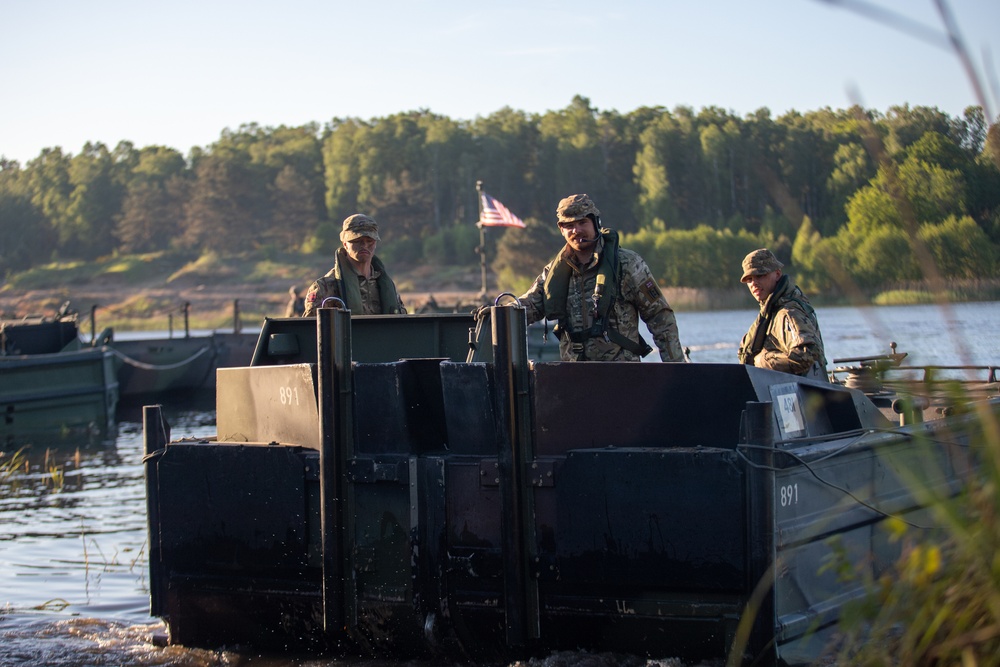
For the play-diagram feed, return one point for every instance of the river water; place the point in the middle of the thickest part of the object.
(73, 561)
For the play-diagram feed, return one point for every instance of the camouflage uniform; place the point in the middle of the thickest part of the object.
(638, 296)
(790, 340)
(329, 285)
(365, 297)
(296, 304)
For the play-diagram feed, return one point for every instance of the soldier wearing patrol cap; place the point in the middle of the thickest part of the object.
(785, 336)
(358, 277)
(597, 291)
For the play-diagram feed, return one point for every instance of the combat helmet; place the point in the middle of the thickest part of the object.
(577, 207)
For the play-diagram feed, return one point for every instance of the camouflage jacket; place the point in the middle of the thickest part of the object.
(638, 297)
(792, 342)
(370, 292)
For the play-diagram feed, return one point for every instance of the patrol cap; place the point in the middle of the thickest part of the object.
(758, 263)
(575, 207)
(358, 225)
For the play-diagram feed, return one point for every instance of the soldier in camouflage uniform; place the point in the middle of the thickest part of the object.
(785, 336)
(296, 302)
(596, 292)
(358, 277)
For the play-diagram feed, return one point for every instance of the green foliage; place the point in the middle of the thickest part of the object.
(904, 126)
(209, 263)
(906, 298)
(874, 206)
(57, 273)
(644, 242)
(702, 256)
(93, 204)
(961, 249)
(808, 255)
(276, 190)
(122, 269)
(884, 256)
(513, 282)
(396, 250)
(934, 192)
(28, 236)
(776, 225)
(522, 253)
(853, 168)
(452, 245)
(325, 240)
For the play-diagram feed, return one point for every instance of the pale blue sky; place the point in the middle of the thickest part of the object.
(177, 73)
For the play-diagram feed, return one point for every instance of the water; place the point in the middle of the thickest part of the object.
(961, 334)
(73, 561)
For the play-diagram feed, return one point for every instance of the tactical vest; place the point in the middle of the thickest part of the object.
(783, 290)
(351, 293)
(556, 289)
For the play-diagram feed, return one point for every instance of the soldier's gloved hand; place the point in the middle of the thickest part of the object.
(481, 313)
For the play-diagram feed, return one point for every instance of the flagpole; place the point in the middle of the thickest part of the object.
(482, 241)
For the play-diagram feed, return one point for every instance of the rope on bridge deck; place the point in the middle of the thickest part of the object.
(165, 367)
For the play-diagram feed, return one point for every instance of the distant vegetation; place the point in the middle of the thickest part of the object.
(855, 201)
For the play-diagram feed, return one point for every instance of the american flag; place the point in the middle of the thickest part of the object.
(495, 214)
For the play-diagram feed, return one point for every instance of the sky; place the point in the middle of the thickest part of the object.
(178, 73)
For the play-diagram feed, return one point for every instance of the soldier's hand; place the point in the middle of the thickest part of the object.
(481, 313)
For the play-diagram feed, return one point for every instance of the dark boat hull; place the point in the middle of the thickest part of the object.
(157, 366)
(61, 396)
(53, 389)
(501, 508)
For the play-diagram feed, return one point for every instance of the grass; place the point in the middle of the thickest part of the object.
(904, 298)
(956, 292)
(939, 603)
(128, 269)
(11, 463)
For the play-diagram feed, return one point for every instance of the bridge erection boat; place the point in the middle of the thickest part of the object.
(53, 388)
(399, 485)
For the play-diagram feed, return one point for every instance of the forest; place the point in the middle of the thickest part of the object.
(852, 199)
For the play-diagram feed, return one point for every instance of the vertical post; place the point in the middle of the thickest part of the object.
(170, 325)
(515, 453)
(93, 323)
(333, 332)
(187, 328)
(482, 242)
(237, 325)
(760, 532)
(156, 434)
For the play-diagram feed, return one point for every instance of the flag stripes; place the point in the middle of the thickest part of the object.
(495, 214)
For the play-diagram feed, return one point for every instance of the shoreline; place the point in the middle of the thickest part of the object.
(142, 308)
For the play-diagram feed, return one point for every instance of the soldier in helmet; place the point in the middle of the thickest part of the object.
(358, 276)
(785, 336)
(597, 291)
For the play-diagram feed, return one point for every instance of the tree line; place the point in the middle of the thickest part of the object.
(849, 196)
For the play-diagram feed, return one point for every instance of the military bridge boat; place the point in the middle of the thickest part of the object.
(53, 387)
(415, 486)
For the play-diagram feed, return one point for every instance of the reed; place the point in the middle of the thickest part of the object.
(939, 603)
(11, 463)
(57, 477)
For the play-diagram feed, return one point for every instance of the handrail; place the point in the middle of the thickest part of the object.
(929, 369)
